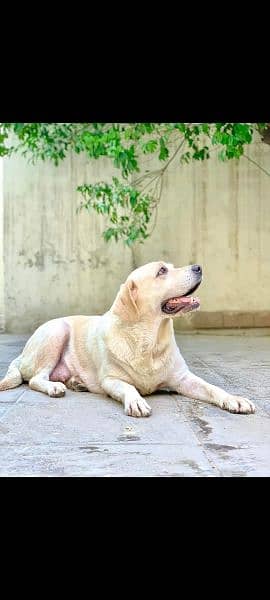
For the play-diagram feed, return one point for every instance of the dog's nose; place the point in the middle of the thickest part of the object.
(197, 269)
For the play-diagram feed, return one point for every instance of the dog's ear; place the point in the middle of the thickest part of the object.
(125, 305)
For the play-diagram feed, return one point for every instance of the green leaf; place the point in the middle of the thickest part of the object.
(242, 132)
(133, 198)
(163, 152)
(149, 147)
(108, 234)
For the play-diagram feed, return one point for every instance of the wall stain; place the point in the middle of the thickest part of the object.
(39, 262)
(234, 212)
(94, 261)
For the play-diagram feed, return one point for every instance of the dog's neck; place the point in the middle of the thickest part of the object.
(148, 336)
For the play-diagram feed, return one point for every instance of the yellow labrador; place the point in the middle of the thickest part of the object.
(128, 352)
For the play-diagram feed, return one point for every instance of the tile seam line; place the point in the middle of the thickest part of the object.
(14, 404)
(211, 463)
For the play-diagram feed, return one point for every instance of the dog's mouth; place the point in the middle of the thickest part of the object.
(183, 304)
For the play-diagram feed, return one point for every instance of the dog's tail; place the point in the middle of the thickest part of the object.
(13, 378)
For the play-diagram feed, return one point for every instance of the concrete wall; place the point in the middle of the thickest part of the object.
(56, 262)
(213, 213)
(1, 248)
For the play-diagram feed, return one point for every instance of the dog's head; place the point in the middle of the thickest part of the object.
(158, 289)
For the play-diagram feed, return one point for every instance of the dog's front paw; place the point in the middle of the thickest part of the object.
(56, 389)
(237, 404)
(137, 407)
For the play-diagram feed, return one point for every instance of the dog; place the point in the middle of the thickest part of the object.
(127, 353)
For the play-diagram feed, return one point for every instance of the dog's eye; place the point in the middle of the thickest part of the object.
(162, 271)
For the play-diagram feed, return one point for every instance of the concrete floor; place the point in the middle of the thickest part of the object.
(85, 434)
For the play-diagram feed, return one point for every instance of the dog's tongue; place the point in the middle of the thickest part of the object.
(181, 302)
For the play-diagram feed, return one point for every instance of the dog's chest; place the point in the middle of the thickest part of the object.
(147, 373)
(142, 364)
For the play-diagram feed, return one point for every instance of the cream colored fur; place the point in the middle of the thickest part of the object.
(129, 352)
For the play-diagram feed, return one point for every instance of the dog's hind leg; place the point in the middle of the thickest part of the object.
(44, 351)
(13, 377)
(41, 383)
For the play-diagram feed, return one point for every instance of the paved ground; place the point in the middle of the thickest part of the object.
(84, 434)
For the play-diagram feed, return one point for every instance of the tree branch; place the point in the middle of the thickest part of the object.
(173, 156)
(257, 164)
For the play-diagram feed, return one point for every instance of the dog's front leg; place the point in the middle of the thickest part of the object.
(134, 404)
(194, 387)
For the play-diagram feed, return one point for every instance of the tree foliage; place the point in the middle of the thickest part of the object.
(129, 201)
